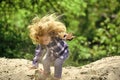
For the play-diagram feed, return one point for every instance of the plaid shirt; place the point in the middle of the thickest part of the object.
(57, 47)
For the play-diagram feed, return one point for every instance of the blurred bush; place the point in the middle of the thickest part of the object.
(95, 23)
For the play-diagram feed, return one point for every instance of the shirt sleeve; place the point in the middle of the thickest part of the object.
(65, 54)
(37, 56)
(61, 50)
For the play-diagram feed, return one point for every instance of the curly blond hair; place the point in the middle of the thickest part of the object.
(47, 25)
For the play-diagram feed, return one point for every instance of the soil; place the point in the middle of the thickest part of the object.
(104, 69)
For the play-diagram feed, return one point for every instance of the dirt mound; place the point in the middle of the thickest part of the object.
(104, 69)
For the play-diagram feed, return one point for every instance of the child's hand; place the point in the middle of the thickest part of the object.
(69, 36)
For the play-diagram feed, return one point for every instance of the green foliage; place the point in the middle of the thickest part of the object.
(95, 23)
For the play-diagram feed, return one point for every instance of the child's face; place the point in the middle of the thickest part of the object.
(45, 39)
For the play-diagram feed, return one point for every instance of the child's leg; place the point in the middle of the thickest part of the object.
(46, 63)
(58, 68)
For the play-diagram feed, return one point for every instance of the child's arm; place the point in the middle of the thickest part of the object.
(36, 58)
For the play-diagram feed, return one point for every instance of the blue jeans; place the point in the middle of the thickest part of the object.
(57, 62)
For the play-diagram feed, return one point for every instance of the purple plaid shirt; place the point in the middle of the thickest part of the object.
(57, 47)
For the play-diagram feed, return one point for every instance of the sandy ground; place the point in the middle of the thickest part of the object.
(104, 69)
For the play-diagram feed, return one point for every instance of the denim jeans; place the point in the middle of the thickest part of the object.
(50, 59)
